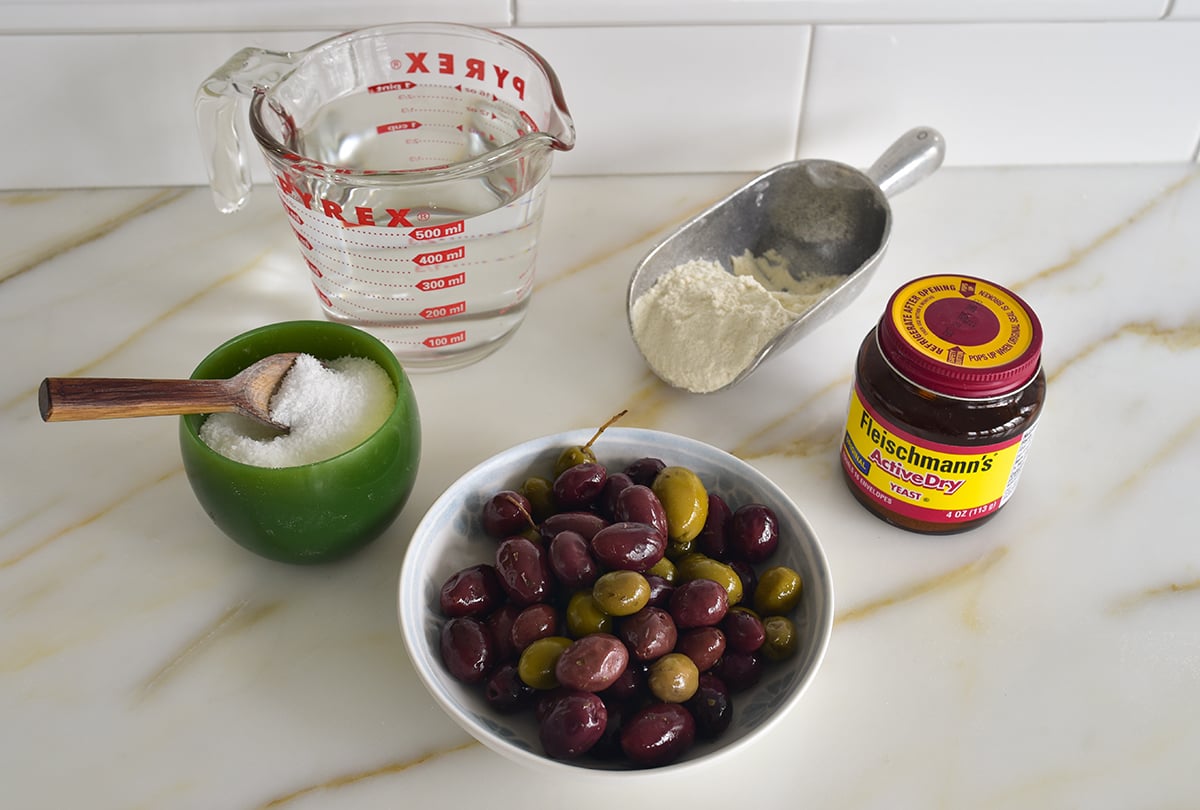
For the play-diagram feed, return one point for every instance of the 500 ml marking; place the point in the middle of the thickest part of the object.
(446, 311)
(440, 256)
(442, 282)
(456, 228)
(441, 341)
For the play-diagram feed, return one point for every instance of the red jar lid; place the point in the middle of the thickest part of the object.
(961, 336)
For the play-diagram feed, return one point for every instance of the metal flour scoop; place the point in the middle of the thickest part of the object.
(816, 217)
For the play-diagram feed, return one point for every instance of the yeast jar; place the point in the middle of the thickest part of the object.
(947, 391)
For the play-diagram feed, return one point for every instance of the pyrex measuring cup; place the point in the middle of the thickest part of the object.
(411, 160)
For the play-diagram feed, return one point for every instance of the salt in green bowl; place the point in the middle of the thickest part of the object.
(318, 512)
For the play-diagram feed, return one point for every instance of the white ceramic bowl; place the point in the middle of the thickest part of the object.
(449, 538)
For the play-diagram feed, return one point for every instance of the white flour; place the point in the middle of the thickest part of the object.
(699, 326)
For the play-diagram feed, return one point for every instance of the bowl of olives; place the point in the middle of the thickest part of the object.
(626, 600)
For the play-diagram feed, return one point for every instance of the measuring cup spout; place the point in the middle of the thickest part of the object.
(220, 109)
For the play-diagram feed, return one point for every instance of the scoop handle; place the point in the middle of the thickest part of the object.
(73, 399)
(914, 156)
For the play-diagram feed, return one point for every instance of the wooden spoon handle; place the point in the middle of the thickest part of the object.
(64, 399)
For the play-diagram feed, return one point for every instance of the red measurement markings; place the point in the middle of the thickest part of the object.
(445, 311)
(441, 256)
(441, 341)
(315, 270)
(299, 220)
(324, 298)
(300, 237)
(397, 126)
(456, 228)
(388, 87)
(532, 124)
(442, 282)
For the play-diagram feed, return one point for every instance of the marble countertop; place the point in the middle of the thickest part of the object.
(1049, 659)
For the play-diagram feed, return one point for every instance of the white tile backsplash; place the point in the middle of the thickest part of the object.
(1008, 94)
(679, 12)
(194, 16)
(1185, 10)
(678, 99)
(115, 109)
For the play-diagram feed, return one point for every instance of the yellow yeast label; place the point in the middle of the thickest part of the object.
(962, 322)
(925, 480)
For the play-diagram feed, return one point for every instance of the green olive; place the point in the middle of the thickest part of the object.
(664, 568)
(585, 616)
(538, 660)
(685, 501)
(571, 456)
(673, 678)
(699, 566)
(621, 593)
(540, 493)
(678, 549)
(782, 639)
(778, 591)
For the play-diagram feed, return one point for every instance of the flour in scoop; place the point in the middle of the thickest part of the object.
(330, 407)
(699, 326)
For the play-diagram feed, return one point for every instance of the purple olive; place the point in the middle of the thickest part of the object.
(499, 624)
(649, 634)
(743, 630)
(628, 546)
(573, 723)
(658, 734)
(592, 663)
(645, 470)
(571, 560)
(467, 649)
(616, 483)
(660, 591)
(639, 504)
(704, 645)
(524, 571)
(753, 532)
(585, 523)
(712, 540)
(739, 671)
(577, 487)
(506, 513)
(506, 692)
(473, 591)
(533, 622)
(711, 707)
(699, 603)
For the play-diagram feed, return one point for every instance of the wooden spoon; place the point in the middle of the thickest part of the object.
(63, 399)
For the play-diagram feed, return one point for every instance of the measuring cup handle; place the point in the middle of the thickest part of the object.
(913, 157)
(220, 106)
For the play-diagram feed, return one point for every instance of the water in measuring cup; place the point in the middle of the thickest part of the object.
(441, 271)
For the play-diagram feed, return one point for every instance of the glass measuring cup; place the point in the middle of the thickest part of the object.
(412, 161)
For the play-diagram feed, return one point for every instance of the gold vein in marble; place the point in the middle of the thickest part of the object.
(236, 619)
(360, 776)
(1107, 236)
(1142, 597)
(108, 509)
(23, 398)
(100, 229)
(1185, 337)
(949, 579)
(800, 446)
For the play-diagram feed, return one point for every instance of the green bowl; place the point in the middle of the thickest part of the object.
(317, 512)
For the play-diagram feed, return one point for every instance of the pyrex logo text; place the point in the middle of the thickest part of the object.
(447, 64)
(392, 218)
